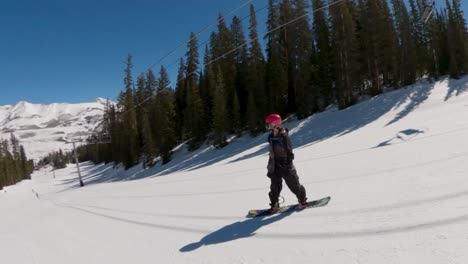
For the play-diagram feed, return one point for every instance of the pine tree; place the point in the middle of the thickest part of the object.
(180, 101)
(15, 151)
(193, 119)
(346, 45)
(462, 36)
(456, 39)
(240, 82)
(9, 164)
(3, 169)
(302, 52)
(423, 37)
(255, 51)
(276, 75)
(286, 53)
(7, 161)
(141, 105)
(207, 87)
(165, 136)
(144, 97)
(14, 165)
(380, 48)
(25, 171)
(148, 148)
(235, 123)
(150, 85)
(256, 90)
(452, 42)
(407, 61)
(365, 54)
(150, 92)
(389, 45)
(129, 119)
(442, 39)
(225, 58)
(323, 72)
(112, 127)
(59, 159)
(220, 122)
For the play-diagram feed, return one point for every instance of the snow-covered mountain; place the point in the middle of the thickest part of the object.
(42, 128)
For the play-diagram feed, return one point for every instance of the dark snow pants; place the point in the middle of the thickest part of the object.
(286, 171)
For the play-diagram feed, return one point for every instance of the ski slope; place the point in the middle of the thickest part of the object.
(395, 165)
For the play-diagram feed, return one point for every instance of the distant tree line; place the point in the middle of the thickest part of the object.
(56, 159)
(345, 51)
(14, 165)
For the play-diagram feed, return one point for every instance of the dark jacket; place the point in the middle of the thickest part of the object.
(280, 150)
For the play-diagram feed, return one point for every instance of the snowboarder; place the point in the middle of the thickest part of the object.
(280, 164)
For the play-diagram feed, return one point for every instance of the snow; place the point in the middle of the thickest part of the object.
(394, 165)
(43, 128)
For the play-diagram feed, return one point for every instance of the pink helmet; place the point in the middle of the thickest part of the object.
(273, 120)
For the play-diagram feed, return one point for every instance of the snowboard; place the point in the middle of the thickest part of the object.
(292, 207)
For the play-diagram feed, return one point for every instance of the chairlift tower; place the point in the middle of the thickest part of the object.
(75, 154)
(102, 140)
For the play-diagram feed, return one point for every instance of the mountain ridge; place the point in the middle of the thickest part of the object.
(43, 128)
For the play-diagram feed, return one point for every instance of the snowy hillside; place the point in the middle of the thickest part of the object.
(42, 128)
(395, 167)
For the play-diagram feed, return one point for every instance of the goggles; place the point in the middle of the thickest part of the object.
(270, 126)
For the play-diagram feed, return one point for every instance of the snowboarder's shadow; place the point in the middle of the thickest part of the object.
(237, 230)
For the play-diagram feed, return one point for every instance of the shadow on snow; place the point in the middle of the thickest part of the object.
(237, 230)
(307, 132)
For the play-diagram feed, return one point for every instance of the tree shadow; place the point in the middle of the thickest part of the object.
(183, 161)
(336, 123)
(456, 87)
(92, 174)
(208, 155)
(414, 100)
(234, 231)
(312, 130)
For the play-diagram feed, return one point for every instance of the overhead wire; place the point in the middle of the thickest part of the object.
(274, 29)
(198, 33)
(206, 41)
(184, 43)
(249, 42)
(219, 19)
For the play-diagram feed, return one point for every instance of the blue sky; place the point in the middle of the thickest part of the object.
(73, 50)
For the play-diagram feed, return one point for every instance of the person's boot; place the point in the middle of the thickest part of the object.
(303, 203)
(274, 207)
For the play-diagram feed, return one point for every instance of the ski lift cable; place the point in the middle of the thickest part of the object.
(240, 46)
(427, 10)
(198, 33)
(429, 15)
(206, 41)
(274, 29)
(189, 74)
